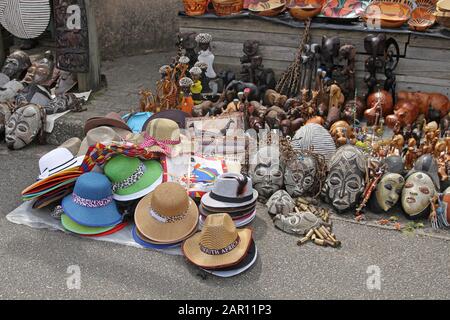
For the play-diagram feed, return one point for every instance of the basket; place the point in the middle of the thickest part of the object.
(420, 24)
(195, 7)
(228, 7)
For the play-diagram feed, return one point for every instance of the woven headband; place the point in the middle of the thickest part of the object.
(131, 180)
(91, 203)
(219, 252)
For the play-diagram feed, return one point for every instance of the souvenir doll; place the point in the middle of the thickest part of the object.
(345, 183)
(250, 49)
(187, 103)
(197, 87)
(205, 55)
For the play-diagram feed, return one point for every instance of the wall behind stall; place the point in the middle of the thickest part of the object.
(132, 27)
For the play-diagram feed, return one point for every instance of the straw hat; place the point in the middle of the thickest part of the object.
(219, 245)
(167, 215)
(132, 178)
(172, 114)
(112, 119)
(103, 135)
(73, 145)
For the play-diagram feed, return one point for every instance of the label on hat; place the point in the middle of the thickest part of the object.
(219, 252)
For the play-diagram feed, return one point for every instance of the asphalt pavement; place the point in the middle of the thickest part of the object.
(372, 264)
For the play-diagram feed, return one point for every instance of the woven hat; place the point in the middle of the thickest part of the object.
(167, 215)
(56, 161)
(73, 145)
(172, 114)
(141, 240)
(103, 135)
(231, 190)
(91, 204)
(161, 136)
(112, 119)
(238, 222)
(219, 244)
(132, 178)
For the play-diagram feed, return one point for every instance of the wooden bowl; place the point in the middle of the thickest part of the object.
(423, 13)
(304, 9)
(271, 8)
(389, 14)
(195, 7)
(420, 24)
(443, 18)
(228, 7)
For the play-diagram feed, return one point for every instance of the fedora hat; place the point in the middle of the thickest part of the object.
(73, 145)
(167, 215)
(91, 204)
(56, 161)
(112, 119)
(161, 136)
(172, 114)
(231, 190)
(103, 135)
(219, 244)
(132, 178)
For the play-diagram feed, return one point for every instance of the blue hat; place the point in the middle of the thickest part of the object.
(147, 245)
(137, 120)
(91, 204)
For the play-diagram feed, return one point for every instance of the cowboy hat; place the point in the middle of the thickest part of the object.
(112, 119)
(91, 204)
(238, 222)
(167, 215)
(219, 245)
(231, 190)
(103, 135)
(244, 265)
(56, 161)
(132, 178)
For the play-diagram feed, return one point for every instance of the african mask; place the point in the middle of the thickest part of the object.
(266, 172)
(41, 70)
(417, 194)
(300, 176)
(34, 94)
(280, 203)
(63, 103)
(297, 223)
(23, 126)
(387, 193)
(346, 180)
(16, 64)
(10, 90)
(66, 81)
(428, 164)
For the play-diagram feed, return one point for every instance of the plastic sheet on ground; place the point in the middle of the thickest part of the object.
(41, 219)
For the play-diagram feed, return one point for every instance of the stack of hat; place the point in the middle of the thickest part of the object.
(59, 169)
(220, 248)
(91, 210)
(165, 218)
(233, 194)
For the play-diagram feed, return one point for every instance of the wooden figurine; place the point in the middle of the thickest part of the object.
(411, 155)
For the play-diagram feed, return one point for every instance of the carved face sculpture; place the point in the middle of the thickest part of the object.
(417, 193)
(281, 203)
(266, 173)
(66, 81)
(346, 181)
(300, 176)
(10, 90)
(40, 71)
(251, 47)
(389, 190)
(16, 64)
(23, 127)
(297, 223)
(62, 103)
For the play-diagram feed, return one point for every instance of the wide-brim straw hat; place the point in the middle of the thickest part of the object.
(167, 215)
(112, 119)
(219, 244)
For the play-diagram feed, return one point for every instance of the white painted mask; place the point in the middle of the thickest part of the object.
(417, 193)
(389, 190)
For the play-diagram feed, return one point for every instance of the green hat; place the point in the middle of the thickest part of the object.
(132, 178)
(74, 227)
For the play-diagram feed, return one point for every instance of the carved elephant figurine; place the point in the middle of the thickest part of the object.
(406, 113)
